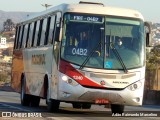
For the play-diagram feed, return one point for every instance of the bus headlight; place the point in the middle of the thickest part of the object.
(69, 80)
(64, 78)
(135, 86)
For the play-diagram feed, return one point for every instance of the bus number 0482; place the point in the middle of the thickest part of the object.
(79, 51)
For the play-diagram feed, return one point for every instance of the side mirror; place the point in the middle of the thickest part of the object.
(148, 34)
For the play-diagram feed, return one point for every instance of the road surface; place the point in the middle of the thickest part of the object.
(10, 106)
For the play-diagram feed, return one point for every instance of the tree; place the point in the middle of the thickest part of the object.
(8, 25)
(153, 58)
(152, 67)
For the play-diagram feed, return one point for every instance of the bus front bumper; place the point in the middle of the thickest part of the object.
(128, 96)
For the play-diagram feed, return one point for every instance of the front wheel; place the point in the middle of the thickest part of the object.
(52, 105)
(117, 108)
(25, 98)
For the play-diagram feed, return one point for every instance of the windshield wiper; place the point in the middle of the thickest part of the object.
(117, 54)
(92, 52)
(119, 58)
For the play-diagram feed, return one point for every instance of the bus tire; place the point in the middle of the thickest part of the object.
(117, 108)
(77, 105)
(86, 105)
(35, 100)
(53, 105)
(25, 98)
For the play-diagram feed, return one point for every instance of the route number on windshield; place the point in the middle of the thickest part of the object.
(79, 51)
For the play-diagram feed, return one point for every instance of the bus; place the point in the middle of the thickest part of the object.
(68, 54)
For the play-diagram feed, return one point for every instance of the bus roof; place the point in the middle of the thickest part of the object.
(90, 9)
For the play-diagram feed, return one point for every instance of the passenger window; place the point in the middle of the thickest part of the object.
(43, 32)
(30, 35)
(47, 31)
(34, 30)
(27, 34)
(36, 33)
(51, 30)
(21, 36)
(18, 37)
(24, 36)
(39, 32)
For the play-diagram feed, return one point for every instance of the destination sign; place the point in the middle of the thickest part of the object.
(86, 18)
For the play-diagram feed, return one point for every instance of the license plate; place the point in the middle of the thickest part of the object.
(101, 101)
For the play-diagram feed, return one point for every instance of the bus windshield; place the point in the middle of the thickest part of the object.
(94, 37)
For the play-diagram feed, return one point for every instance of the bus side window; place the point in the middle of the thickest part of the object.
(21, 37)
(39, 32)
(36, 33)
(57, 27)
(47, 31)
(16, 37)
(34, 29)
(27, 35)
(55, 40)
(24, 36)
(51, 29)
(43, 32)
(30, 35)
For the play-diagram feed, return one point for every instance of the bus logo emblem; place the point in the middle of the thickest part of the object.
(102, 82)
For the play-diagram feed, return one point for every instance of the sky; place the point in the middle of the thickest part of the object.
(150, 9)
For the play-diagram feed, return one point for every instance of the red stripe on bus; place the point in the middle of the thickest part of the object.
(70, 71)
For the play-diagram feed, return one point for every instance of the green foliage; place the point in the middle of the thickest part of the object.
(153, 58)
(3, 77)
(152, 66)
(8, 25)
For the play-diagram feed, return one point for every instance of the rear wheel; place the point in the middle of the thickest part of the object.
(35, 100)
(25, 98)
(117, 108)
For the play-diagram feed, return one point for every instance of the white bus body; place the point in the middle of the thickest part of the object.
(42, 69)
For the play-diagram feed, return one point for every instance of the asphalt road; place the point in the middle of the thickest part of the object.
(10, 106)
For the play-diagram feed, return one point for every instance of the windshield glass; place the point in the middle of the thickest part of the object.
(81, 35)
(90, 37)
(127, 37)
